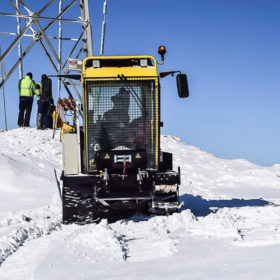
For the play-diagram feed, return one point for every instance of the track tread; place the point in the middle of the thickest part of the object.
(77, 207)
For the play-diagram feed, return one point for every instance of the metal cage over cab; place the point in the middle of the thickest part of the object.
(121, 110)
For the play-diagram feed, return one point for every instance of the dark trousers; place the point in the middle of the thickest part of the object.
(43, 107)
(25, 108)
(43, 118)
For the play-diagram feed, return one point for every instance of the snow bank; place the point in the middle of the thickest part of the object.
(212, 178)
(28, 160)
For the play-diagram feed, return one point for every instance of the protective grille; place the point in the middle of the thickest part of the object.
(121, 115)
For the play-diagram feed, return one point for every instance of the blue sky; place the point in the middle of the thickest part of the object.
(229, 50)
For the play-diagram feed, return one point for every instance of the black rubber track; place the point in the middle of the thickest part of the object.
(76, 207)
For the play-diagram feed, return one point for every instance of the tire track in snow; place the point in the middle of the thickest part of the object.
(137, 239)
(16, 229)
(92, 243)
(244, 226)
(140, 239)
(153, 237)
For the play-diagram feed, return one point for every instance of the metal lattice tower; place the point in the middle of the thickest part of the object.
(33, 25)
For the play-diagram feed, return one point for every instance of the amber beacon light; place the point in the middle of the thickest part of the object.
(162, 51)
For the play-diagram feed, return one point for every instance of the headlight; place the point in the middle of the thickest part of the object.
(166, 188)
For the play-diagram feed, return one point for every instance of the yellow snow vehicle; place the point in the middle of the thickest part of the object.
(113, 159)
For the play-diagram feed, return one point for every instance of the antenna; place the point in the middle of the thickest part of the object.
(103, 28)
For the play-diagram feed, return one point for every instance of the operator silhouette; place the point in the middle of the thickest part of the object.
(116, 120)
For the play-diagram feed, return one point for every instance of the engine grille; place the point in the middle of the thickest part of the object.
(121, 115)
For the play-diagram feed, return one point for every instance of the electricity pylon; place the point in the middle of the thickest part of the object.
(34, 25)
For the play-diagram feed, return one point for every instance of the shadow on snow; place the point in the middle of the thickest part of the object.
(202, 207)
(199, 207)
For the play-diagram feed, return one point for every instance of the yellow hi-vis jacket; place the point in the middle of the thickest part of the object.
(38, 92)
(26, 87)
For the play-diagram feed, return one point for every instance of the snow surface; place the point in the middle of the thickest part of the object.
(228, 228)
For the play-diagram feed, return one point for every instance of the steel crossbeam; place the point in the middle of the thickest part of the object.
(44, 18)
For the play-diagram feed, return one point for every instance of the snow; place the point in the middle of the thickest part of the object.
(228, 228)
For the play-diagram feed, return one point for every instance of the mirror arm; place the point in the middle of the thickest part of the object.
(69, 76)
(164, 74)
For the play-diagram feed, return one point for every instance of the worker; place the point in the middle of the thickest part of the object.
(26, 87)
(39, 116)
(45, 103)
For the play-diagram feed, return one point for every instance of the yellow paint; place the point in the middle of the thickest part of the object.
(85, 123)
(66, 129)
(57, 120)
(115, 71)
(157, 122)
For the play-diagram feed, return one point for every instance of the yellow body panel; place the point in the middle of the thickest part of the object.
(115, 71)
(157, 120)
(126, 71)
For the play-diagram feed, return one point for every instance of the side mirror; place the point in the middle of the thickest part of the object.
(182, 85)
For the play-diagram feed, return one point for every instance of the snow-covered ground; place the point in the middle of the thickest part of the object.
(229, 227)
